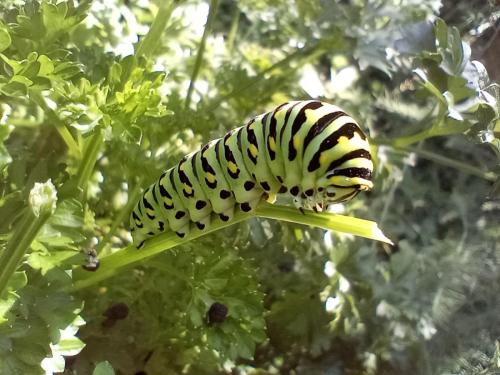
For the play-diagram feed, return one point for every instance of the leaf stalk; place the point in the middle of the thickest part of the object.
(111, 264)
(19, 244)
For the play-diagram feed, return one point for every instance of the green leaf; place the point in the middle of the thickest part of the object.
(46, 66)
(17, 281)
(14, 89)
(30, 70)
(67, 70)
(216, 284)
(441, 33)
(5, 39)
(104, 368)
(31, 353)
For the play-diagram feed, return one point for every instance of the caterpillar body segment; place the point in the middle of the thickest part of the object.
(311, 150)
(211, 177)
(256, 159)
(241, 181)
(192, 194)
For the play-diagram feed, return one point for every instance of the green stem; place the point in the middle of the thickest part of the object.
(448, 162)
(111, 264)
(19, 244)
(132, 199)
(405, 141)
(61, 128)
(68, 139)
(149, 43)
(201, 49)
(233, 30)
(303, 54)
(146, 49)
(129, 256)
(337, 223)
(92, 149)
(436, 130)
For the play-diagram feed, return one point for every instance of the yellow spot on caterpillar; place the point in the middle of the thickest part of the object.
(188, 189)
(272, 144)
(252, 126)
(296, 142)
(168, 201)
(210, 178)
(271, 198)
(233, 168)
(343, 140)
(253, 150)
(323, 159)
(150, 212)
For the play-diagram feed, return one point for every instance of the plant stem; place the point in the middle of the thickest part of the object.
(92, 149)
(61, 128)
(19, 244)
(405, 141)
(461, 166)
(436, 130)
(111, 264)
(231, 36)
(68, 139)
(403, 145)
(201, 49)
(301, 54)
(129, 256)
(149, 43)
(337, 223)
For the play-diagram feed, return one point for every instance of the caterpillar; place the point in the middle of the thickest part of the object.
(311, 150)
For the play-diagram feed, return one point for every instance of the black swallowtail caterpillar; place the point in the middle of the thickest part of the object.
(311, 150)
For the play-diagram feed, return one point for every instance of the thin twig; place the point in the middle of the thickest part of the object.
(201, 49)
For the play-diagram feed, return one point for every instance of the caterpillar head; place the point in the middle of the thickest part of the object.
(349, 170)
(337, 186)
(347, 184)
